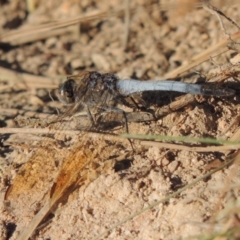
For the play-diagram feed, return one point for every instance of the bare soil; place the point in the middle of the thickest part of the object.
(35, 57)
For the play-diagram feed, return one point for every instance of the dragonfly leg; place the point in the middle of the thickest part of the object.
(123, 114)
(117, 110)
(90, 116)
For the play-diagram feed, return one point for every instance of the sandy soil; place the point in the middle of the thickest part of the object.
(111, 178)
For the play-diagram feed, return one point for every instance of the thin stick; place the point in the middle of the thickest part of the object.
(224, 148)
(213, 10)
(127, 23)
(36, 131)
(46, 131)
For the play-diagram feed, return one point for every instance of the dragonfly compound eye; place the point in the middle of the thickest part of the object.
(66, 92)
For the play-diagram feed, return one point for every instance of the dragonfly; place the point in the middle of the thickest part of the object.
(95, 93)
(55, 170)
(90, 89)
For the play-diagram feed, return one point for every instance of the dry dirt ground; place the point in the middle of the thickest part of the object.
(97, 182)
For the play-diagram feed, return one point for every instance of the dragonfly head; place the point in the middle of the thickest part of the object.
(66, 92)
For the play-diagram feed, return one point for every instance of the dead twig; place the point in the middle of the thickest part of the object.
(215, 11)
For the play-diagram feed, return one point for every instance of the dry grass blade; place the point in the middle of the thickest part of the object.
(31, 5)
(35, 131)
(30, 34)
(180, 7)
(215, 50)
(191, 148)
(69, 175)
(127, 22)
(27, 81)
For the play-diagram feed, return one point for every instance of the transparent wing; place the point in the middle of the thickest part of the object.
(55, 167)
